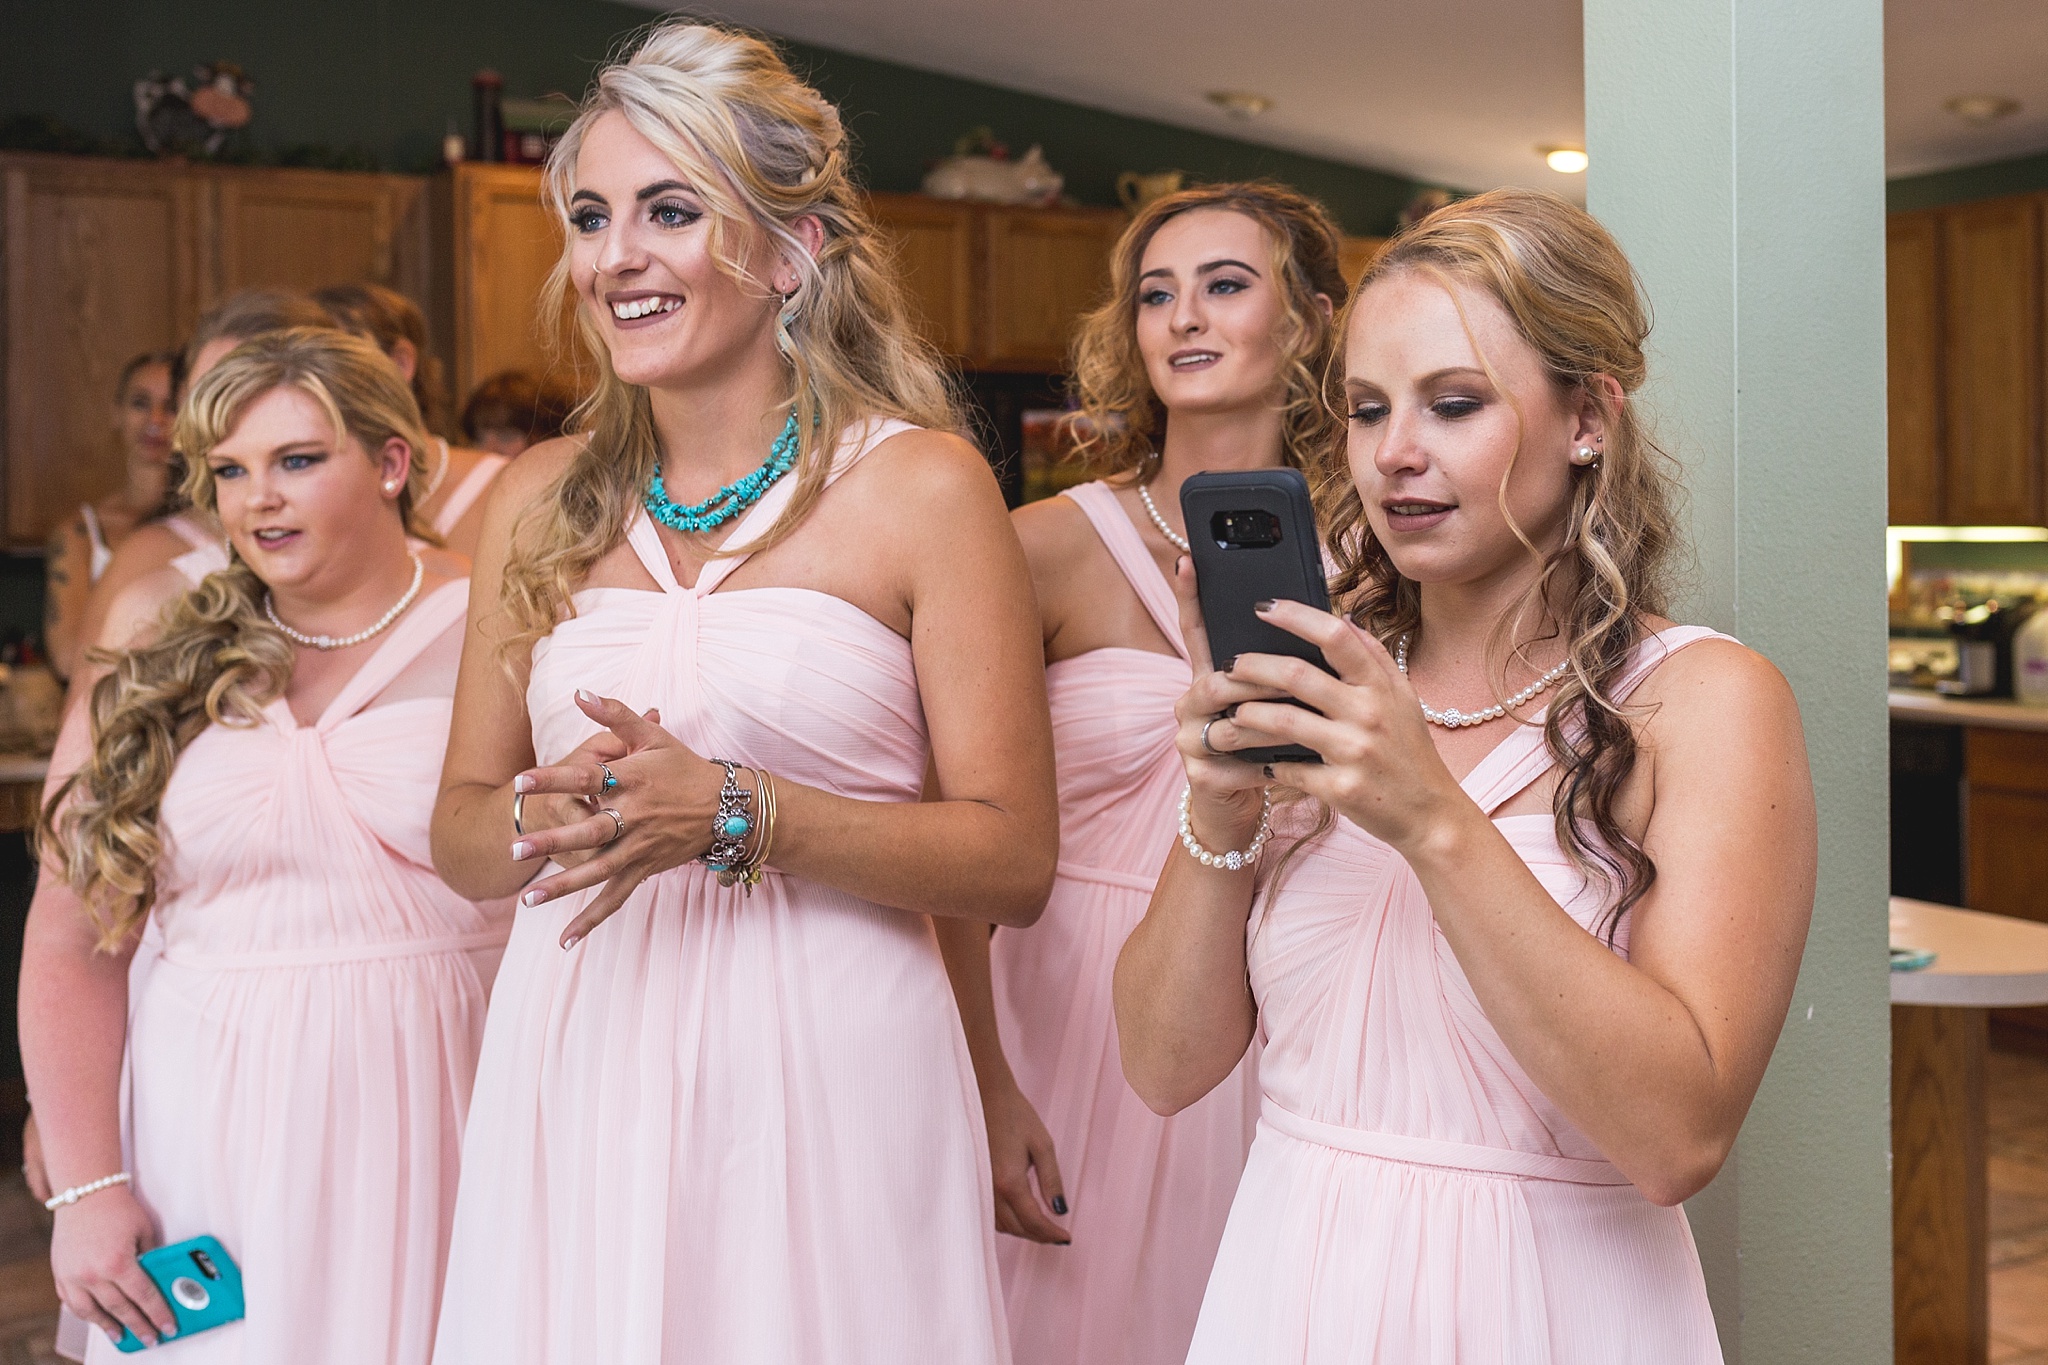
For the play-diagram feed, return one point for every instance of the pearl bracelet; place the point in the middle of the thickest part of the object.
(1235, 860)
(78, 1192)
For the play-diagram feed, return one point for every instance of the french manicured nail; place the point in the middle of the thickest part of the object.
(521, 851)
(1059, 1205)
(1263, 606)
(587, 697)
(523, 783)
(571, 941)
(533, 897)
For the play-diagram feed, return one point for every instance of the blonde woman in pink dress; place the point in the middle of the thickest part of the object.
(298, 1065)
(726, 1112)
(1208, 355)
(1518, 986)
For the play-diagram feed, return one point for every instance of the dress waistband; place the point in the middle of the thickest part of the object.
(1104, 876)
(340, 953)
(1456, 1156)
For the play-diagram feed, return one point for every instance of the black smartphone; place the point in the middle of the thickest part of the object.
(1252, 534)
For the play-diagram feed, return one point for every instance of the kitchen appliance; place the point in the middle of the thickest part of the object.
(1983, 636)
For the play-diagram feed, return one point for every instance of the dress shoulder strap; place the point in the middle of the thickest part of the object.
(188, 529)
(465, 494)
(96, 540)
(1098, 502)
(432, 615)
(1523, 757)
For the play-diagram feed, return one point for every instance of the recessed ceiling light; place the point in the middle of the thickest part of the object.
(1982, 108)
(1565, 160)
(1240, 104)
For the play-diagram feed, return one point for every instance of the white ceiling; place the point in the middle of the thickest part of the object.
(1455, 92)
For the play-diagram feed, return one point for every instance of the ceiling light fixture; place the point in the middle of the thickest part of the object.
(1564, 160)
(1982, 109)
(1240, 104)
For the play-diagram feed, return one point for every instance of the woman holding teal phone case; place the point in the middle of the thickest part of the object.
(260, 781)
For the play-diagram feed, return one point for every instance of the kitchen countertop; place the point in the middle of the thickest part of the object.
(1981, 961)
(1912, 704)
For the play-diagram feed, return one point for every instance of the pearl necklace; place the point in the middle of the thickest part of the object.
(1454, 719)
(1178, 542)
(419, 572)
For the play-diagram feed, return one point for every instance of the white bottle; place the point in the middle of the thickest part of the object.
(2030, 659)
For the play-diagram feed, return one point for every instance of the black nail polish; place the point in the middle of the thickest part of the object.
(1264, 604)
(1059, 1205)
(1178, 562)
(1269, 770)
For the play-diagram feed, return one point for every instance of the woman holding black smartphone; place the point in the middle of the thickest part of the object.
(1522, 960)
(1209, 354)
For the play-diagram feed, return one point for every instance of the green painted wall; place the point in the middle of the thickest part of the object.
(1738, 154)
(1964, 183)
(383, 79)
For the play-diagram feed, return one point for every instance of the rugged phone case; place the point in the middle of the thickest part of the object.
(199, 1280)
(1252, 534)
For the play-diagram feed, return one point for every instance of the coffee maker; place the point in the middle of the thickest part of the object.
(1983, 636)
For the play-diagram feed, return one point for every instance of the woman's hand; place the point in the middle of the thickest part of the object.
(666, 797)
(545, 811)
(1018, 1143)
(93, 1251)
(1379, 770)
(1228, 792)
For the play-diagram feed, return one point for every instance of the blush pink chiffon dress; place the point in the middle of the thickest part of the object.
(1412, 1198)
(727, 1129)
(300, 1055)
(1148, 1195)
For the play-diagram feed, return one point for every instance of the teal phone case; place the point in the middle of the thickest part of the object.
(199, 1280)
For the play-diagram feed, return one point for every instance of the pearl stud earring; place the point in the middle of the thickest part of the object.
(1585, 457)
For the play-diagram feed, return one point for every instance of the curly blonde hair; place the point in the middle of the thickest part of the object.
(1576, 300)
(1123, 420)
(762, 150)
(216, 660)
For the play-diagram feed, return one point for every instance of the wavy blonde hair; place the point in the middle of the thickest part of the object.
(1124, 421)
(1576, 300)
(762, 150)
(216, 659)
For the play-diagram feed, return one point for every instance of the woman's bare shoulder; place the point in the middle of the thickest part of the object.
(537, 469)
(1055, 531)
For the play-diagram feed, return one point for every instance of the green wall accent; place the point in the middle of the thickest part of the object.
(1738, 154)
(384, 78)
(1965, 183)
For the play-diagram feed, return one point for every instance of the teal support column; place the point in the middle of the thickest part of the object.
(1738, 153)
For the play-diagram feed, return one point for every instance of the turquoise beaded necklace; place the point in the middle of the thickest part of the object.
(729, 501)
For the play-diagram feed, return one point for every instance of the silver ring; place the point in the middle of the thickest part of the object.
(518, 811)
(1206, 745)
(609, 780)
(617, 819)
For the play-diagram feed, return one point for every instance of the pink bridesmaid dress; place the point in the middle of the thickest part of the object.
(300, 1055)
(1412, 1198)
(1148, 1195)
(727, 1129)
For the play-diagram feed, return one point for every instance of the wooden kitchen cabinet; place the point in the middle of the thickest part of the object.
(495, 242)
(1991, 375)
(103, 261)
(1042, 269)
(934, 245)
(2005, 816)
(1913, 365)
(292, 229)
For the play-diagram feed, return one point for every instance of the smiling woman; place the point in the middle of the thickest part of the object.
(725, 1110)
(256, 786)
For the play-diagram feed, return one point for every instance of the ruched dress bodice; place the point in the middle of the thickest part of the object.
(727, 1127)
(1412, 1196)
(1149, 1195)
(301, 1053)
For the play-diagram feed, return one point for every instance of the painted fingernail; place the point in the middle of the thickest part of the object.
(1269, 770)
(523, 783)
(1059, 1205)
(570, 941)
(1263, 606)
(1178, 562)
(521, 851)
(533, 897)
(586, 696)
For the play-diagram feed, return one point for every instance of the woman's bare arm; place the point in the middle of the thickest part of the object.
(67, 586)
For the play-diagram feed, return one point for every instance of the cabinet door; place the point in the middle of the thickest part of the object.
(98, 260)
(1992, 306)
(504, 243)
(1354, 254)
(2006, 819)
(290, 229)
(1913, 365)
(1043, 269)
(933, 242)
